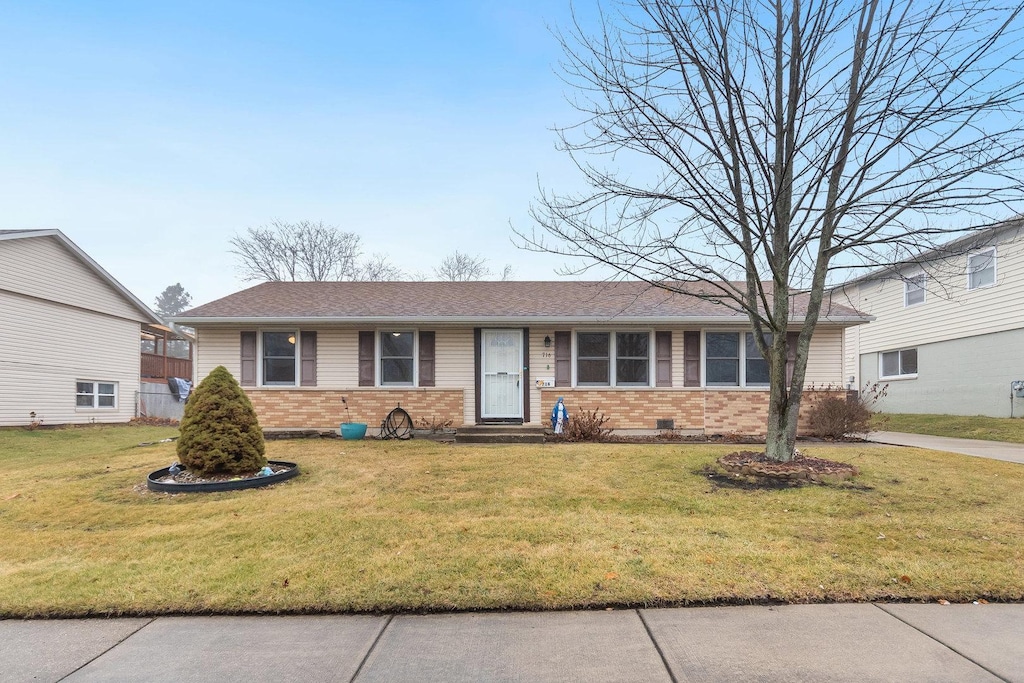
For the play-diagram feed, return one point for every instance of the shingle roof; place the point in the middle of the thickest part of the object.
(465, 301)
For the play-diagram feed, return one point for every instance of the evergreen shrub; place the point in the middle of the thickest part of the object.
(219, 431)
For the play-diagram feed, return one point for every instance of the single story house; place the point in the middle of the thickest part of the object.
(69, 342)
(492, 352)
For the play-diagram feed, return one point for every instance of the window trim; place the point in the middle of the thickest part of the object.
(95, 394)
(906, 289)
(901, 375)
(378, 358)
(260, 358)
(995, 272)
(742, 360)
(613, 357)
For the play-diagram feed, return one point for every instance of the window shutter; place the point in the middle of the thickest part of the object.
(426, 359)
(663, 359)
(366, 344)
(248, 359)
(308, 358)
(563, 359)
(691, 359)
(791, 341)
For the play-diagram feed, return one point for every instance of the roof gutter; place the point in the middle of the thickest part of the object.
(496, 320)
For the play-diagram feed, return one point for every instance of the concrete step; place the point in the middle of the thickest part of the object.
(499, 433)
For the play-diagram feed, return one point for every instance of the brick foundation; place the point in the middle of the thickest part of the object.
(716, 411)
(320, 409)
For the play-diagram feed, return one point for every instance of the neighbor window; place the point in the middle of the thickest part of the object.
(396, 358)
(279, 358)
(96, 394)
(613, 359)
(913, 289)
(981, 269)
(902, 363)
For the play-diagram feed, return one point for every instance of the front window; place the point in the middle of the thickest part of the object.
(755, 365)
(913, 290)
(613, 359)
(96, 394)
(396, 358)
(722, 360)
(632, 354)
(279, 358)
(981, 269)
(593, 355)
(902, 363)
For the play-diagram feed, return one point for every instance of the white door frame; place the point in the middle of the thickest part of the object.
(517, 413)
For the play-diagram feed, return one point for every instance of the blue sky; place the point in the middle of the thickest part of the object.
(151, 133)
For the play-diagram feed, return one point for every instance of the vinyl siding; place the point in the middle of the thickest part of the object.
(45, 347)
(453, 366)
(42, 267)
(950, 310)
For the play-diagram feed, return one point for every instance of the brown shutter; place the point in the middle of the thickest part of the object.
(691, 359)
(307, 356)
(248, 359)
(563, 359)
(663, 359)
(792, 338)
(426, 359)
(366, 344)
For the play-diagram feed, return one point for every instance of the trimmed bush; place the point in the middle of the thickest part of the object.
(219, 431)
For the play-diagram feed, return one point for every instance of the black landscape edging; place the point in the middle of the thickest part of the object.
(214, 486)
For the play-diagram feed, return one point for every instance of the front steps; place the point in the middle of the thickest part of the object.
(499, 433)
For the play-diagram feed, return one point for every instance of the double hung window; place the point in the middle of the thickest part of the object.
(396, 358)
(732, 361)
(913, 289)
(279, 358)
(981, 268)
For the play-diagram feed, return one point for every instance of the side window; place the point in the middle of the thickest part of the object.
(755, 365)
(593, 353)
(901, 363)
(722, 359)
(913, 290)
(981, 269)
(95, 394)
(632, 358)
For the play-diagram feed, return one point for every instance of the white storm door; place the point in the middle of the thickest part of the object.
(501, 367)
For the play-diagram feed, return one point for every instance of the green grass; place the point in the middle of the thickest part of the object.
(388, 526)
(959, 426)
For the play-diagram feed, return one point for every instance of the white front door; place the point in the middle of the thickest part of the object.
(501, 368)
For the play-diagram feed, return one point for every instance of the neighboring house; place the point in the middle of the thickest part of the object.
(166, 353)
(948, 337)
(69, 341)
(482, 352)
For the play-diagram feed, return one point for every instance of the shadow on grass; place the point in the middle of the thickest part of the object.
(726, 480)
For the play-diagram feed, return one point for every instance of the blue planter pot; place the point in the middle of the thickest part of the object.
(353, 430)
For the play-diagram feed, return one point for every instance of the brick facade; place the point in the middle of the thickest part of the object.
(321, 409)
(716, 411)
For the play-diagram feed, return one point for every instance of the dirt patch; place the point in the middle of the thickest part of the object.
(800, 468)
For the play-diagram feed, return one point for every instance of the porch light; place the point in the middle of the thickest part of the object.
(547, 342)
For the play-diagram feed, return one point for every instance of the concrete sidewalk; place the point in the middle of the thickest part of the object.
(848, 642)
(997, 450)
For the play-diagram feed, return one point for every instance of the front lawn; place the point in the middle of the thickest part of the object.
(386, 526)
(958, 426)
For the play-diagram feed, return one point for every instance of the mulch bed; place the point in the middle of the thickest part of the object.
(186, 477)
(800, 468)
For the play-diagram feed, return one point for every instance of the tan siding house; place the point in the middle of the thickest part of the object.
(948, 334)
(496, 352)
(69, 344)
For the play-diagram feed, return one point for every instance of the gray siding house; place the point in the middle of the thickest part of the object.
(69, 342)
(948, 334)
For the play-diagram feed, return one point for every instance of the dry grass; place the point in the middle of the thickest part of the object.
(418, 525)
(958, 426)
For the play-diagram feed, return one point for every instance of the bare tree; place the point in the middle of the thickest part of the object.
(377, 268)
(776, 142)
(305, 251)
(459, 267)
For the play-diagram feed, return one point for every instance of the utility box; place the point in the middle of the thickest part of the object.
(1017, 388)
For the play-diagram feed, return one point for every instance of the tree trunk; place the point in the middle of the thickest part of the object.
(781, 434)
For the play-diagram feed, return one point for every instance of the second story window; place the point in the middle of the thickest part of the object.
(913, 290)
(981, 268)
